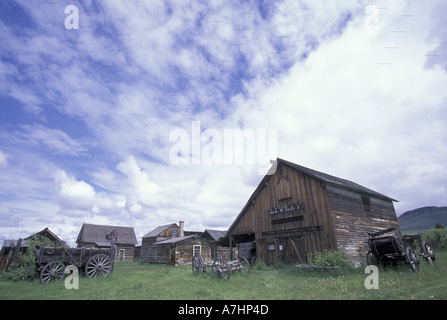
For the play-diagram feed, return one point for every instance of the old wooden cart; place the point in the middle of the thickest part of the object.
(389, 246)
(50, 262)
(220, 268)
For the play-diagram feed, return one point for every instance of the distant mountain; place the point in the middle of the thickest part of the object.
(422, 219)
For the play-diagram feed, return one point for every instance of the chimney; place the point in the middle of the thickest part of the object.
(181, 231)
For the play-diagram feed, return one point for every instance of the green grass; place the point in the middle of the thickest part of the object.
(131, 280)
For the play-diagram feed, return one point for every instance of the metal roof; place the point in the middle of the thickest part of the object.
(176, 240)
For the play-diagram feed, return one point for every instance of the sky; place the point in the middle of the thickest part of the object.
(121, 112)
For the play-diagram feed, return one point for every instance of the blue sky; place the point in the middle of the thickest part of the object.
(86, 114)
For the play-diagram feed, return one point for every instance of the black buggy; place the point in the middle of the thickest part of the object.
(389, 247)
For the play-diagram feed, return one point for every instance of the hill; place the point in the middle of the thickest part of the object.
(422, 219)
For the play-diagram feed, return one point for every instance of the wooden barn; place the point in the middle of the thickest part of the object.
(297, 210)
(101, 236)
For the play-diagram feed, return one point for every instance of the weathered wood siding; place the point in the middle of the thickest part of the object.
(288, 235)
(182, 253)
(129, 250)
(150, 253)
(352, 222)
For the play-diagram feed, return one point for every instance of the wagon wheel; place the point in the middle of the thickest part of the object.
(371, 259)
(29, 273)
(428, 251)
(197, 267)
(245, 265)
(99, 264)
(52, 271)
(220, 270)
(412, 260)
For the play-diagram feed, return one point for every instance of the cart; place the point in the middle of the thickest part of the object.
(389, 247)
(50, 262)
(425, 250)
(220, 268)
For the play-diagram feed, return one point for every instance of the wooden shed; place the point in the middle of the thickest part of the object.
(297, 210)
(181, 250)
(151, 252)
(101, 236)
(214, 236)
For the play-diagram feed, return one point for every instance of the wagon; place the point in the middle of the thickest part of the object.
(220, 268)
(50, 262)
(389, 246)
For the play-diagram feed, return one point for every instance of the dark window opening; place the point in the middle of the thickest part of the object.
(366, 204)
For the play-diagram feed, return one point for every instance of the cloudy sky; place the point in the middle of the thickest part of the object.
(97, 105)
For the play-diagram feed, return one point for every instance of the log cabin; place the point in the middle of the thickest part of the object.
(295, 211)
(152, 252)
(101, 236)
(181, 250)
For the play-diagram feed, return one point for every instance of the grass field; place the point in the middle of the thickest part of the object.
(131, 280)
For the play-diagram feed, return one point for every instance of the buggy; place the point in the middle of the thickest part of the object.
(389, 246)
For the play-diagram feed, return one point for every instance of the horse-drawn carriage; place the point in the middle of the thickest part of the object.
(389, 246)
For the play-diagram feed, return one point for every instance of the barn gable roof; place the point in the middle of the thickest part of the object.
(335, 180)
(98, 234)
(326, 178)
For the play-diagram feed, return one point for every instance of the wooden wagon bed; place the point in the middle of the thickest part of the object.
(50, 262)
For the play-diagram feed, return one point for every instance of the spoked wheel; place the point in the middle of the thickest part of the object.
(98, 265)
(52, 271)
(244, 265)
(196, 266)
(29, 273)
(412, 260)
(371, 259)
(428, 252)
(220, 270)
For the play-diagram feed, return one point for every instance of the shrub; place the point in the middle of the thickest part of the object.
(17, 269)
(330, 258)
(437, 238)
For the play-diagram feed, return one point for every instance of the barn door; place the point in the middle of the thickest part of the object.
(292, 250)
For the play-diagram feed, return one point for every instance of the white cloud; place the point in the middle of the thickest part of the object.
(73, 194)
(3, 159)
(54, 140)
(138, 188)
